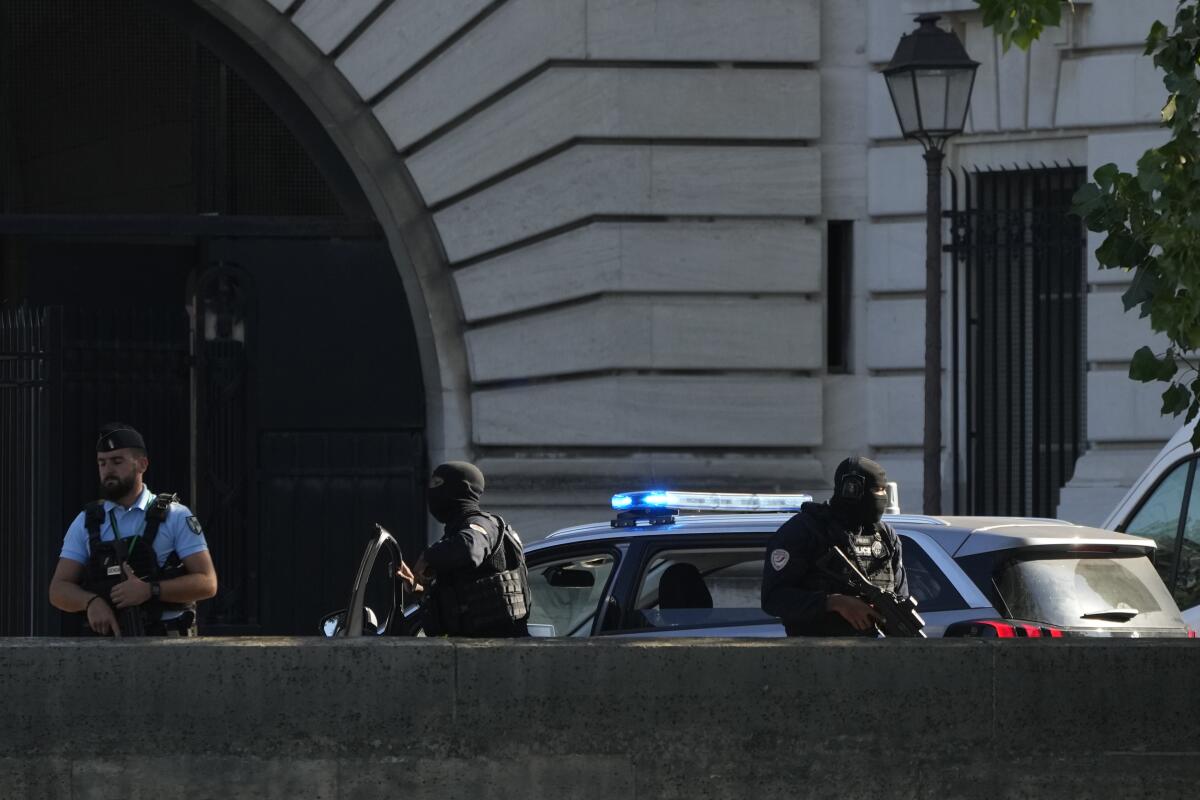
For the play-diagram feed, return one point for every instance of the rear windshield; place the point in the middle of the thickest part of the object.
(1061, 591)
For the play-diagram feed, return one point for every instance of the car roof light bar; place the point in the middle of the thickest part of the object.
(658, 500)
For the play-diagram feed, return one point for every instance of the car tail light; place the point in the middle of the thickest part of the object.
(1002, 629)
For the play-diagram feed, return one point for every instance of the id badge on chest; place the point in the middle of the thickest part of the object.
(869, 550)
(864, 546)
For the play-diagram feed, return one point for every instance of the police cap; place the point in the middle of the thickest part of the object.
(117, 436)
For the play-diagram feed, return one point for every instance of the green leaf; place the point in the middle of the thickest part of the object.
(1106, 175)
(992, 11)
(1051, 14)
(1141, 290)
(1020, 22)
(1026, 36)
(1085, 195)
(1195, 433)
(1168, 111)
(1176, 400)
(1090, 203)
(1145, 366)
(1158, 32)
(1120, 249)
(1168, 366)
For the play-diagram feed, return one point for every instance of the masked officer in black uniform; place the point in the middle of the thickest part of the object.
(473, 578)
(134, 563)
(796, 586)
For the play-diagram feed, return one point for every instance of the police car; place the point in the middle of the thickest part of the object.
(655, 571)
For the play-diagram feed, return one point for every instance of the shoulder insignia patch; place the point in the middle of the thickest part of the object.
(479, 528)
(779, 558)
(194, 524)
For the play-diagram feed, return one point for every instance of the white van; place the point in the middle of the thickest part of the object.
(1164, 505)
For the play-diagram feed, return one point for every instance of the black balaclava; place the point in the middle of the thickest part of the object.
(454, 490)
(854, 500)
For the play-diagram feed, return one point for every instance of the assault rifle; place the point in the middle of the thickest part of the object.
(131, 620)
(900, 617)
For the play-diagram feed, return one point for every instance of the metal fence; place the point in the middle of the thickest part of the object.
(286, 512)
(28, 361)
(1017, 338)
(63, 374)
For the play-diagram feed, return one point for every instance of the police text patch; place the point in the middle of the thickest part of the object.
(779, 558)
(194, 524)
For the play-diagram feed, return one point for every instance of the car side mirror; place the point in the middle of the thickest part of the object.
(332, 624)
(570, 578)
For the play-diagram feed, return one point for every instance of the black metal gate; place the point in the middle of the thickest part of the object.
(223, 431)
(63, 373)
(27, 405)
(187, 152)
(1017, 332)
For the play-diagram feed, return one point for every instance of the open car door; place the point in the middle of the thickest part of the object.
(357, 619)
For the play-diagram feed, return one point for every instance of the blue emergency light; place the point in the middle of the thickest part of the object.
(659, 506)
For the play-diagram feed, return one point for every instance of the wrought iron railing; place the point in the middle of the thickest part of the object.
(1018, 290)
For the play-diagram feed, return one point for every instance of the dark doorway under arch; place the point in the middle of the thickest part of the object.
(179, 255)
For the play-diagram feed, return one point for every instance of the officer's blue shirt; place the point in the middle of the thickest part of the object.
(180, 531)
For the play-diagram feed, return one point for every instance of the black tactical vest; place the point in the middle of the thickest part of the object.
(867, 548)
(490, 600)
(103, 570)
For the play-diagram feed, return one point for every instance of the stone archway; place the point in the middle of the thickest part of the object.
(611, 208)
(382, 177)
(165, 150)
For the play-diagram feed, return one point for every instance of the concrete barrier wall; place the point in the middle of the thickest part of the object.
(601, 719)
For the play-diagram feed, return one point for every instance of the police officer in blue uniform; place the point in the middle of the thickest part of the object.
(800, 583)
(473, 578)
(134, 563)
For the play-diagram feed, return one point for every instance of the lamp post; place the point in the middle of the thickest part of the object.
(930, 79)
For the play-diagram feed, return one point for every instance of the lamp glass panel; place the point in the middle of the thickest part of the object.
(904, 97)
(959, 98)
(933, 88)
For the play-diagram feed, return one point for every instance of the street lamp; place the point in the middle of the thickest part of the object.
(930, 80)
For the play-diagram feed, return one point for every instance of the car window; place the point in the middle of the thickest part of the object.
(926, 582)
(1186, 587)
(700, 587)
(1061, 591)
(1158, 517)
(567, 592)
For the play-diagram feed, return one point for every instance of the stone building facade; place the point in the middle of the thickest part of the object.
(612, 219)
